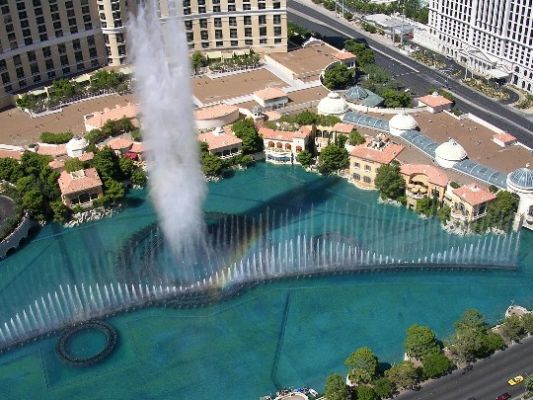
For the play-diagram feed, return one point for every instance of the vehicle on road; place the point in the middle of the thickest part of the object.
(516, 380)
(504, 396)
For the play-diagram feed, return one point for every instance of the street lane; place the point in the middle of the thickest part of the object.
(486, 381)
(403, 67)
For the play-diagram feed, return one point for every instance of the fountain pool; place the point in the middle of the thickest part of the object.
(290, 332)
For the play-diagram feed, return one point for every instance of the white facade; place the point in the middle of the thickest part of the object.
(520, 182)
(491, 37)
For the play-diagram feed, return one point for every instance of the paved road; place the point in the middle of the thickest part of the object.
(486, 381)
(419, 78)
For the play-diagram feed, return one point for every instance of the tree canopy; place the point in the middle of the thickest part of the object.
(305, 158)
(338, 76)
(335, 388)
(332, 158)
(403, 375)
(365, 55)
(355, 138)
(383, 387)
(363, 365)
(420, 341)
(365, 392)
(390, 182)
(436, 364)
(10, 170)
(245, 130)
(73, 164)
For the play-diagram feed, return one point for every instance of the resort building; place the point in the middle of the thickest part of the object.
(98, 119)
(520, 182)
(271, 98)
(423, 181)
(209, 118)
(80, 187)
(468, 203)
(344, 56)
(434, 103)
(325, 135)
(365, 159)
(120, 145)
(490, 37)
(282, 147)
(42, 40)
(222, 144)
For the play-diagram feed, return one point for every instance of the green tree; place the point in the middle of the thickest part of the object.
(338, 76)
(527, 320)
(363, 365)
(211, 165)
(34, 202)
(63, 89)
(427, 206)
(60, 211)
(95, 136)
(513, 329)
(528, 384)
(395, 98)
(443, 214)
(384, 388)
(114, 191)
(436, 364)
(355, 138)
(491, 342)
(471, 319)
(469, 340)
(501, 211)
(335, 388)
(73, 164)
(10, 170)
(138, 177)
(389, 181)
(105, 80)
(332, 158)
(305, 158)
(56, 138)
(420, 341)
(365, 392)
(403, 375)
(245, 130)
(127, 166)
(198, 60)
(106, 163)
(365, 56)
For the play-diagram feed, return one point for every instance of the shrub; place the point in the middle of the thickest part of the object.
(73, 164)
(56, 138)
(383, 387)
(356, 138)
(435, 365)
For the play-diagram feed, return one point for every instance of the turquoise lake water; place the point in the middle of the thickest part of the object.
(287, 333)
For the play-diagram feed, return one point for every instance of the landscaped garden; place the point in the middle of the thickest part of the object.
(488, 88)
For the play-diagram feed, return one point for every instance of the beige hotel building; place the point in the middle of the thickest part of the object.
(43, 40)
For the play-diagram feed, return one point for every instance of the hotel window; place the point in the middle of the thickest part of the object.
(247, 7)
(204, 35)
(261, 6)
(233, 33)
(277, 31)
(203, 23)
(356, 177)
(234, 43)
(356, 165)
(263, 31)
(368, 168)
(218, 22)
(366, 179)
(231, 7)
(205, 45)
(219, 44)
(190, 36)
(277, 40)
(216, 9)
(188, 25)
(276, 6)
(248, 32)
(247, 20)
(262, 20)
(277, 19)
(232, 21)
(20, 72)
(201, 10)
(263, 41)
(248, 42)
(5, 77)
(218, 34)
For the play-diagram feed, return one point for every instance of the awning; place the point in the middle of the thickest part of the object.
(242, 52)
(38, 92)
(497, 73)
(83, 78)
(214, 55)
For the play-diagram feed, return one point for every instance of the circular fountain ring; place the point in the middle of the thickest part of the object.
(65, 352)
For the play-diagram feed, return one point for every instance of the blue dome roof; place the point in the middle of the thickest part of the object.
(522, 178)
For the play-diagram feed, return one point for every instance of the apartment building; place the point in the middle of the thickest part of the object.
(42, 40)
(491, 37)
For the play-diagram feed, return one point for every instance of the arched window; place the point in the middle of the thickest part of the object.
(270, 144)
(298, 149)
(279, 145)
(287, 146)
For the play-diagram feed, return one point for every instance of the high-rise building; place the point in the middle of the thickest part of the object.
(42, 40)
(490, 37)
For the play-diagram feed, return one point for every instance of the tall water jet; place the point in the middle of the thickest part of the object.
(163, 86)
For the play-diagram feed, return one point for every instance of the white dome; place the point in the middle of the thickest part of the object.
(450, 152)
(402, 122)
(76, 146)
(333, 104)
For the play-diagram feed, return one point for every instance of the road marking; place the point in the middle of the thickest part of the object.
(303, 15)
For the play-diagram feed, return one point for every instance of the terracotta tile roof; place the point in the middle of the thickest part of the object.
(54, 150)
(86, 156)
(272, 115)
(302, 133)
(137, 147)
(56, 164)
(16, 155)
(473, 194)
(219, 140)
(344, 55)
(435, 175)
(270, 93)
(434, 100)
(343, 128)
(79, 181)
(119, 143)
(505, 137)
(214, 112)
(384, 156)
(99, 118)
